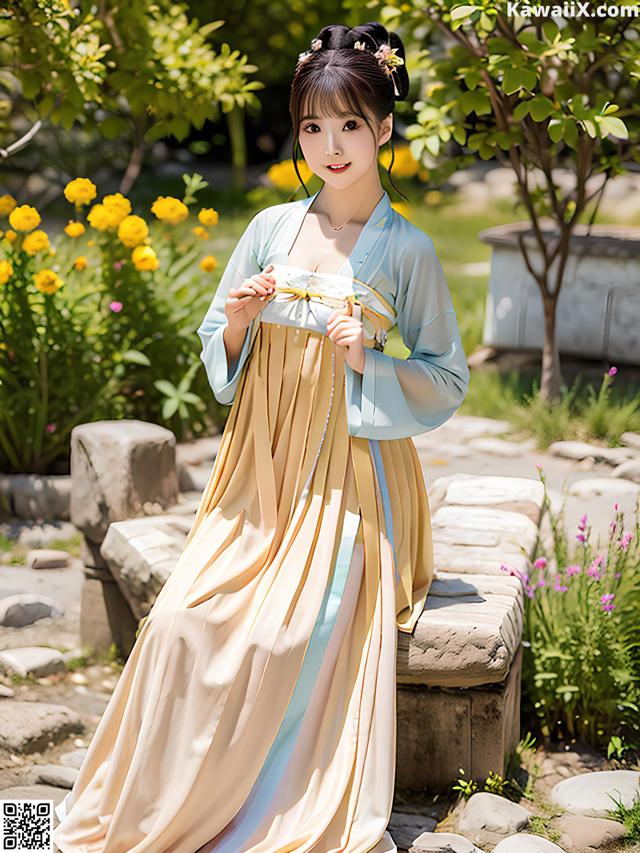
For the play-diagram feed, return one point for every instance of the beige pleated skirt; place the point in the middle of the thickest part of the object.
(256, 712)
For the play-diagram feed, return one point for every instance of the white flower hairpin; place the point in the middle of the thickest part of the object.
(385, 54)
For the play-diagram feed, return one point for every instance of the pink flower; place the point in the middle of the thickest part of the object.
(581, 537)
(573, 569)
(542, 582)
(612, 371)
(607, 602)
(615, 506)
(594, 572)
(116, 307)
(624, 542)
(612, 526)
(117, 265)
(539, 466)
(51, 427)
(618, 575)
(558, 586)
(583, 522)
(540, 563)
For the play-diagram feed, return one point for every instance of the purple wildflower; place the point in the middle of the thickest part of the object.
(606, 601)
(573, 569)
(624, 542)
(612, 371)
(540, 563)
(115, 306)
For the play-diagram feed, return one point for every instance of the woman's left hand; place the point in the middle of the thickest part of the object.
(345, 331)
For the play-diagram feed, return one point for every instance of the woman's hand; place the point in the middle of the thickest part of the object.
(245, 302)
(345, 331)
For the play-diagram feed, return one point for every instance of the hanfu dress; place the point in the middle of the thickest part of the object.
(256, 711)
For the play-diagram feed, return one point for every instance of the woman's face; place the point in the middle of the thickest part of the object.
(330, 140)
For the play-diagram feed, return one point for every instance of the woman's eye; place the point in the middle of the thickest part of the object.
(350, 122)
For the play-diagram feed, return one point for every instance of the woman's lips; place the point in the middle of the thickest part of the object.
(341, 169)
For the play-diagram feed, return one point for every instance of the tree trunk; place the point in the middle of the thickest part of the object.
(237, 138)
(551, 378)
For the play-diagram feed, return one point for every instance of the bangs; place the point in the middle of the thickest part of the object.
(330, 95)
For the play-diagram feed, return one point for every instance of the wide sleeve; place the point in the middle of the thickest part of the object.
(243, 263)
(395, 397)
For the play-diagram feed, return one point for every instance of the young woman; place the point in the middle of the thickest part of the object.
(256, 712)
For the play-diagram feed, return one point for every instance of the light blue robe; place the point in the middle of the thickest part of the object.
(393, 397)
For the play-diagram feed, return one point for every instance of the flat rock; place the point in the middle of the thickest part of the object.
(604, 486)
(629, 470)
(510, 532)
(442, 842)
(405, 828)
(41, 535)
(37, 661)
(579, 450)
(465, 639)
(54, 774)
(16, 611)
(631, 439)
(595, 794)
(47, 558)
(489, 812)
(74, 758)
(523, 842)
(500, 447)
(587, 833)
(27, 727)
(34, 792)
(518, 494)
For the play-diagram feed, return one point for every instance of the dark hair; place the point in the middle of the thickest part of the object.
(341, 71)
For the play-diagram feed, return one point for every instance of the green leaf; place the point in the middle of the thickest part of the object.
(555, 130)
(459, 12)
(170, 407)
(540, 108)
(134, 356)
(476, 101)
(165, 387)
(521, 110)
(612, 126)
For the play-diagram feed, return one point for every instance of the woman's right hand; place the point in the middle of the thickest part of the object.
(244, 303)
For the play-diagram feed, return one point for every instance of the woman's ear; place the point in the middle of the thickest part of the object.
(386, 129)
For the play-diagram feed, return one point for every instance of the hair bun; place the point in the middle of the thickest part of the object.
(371, 37)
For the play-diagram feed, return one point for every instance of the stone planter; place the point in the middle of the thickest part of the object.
(598, 312)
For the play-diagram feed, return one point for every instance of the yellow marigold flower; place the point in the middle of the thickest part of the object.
(53, 251)
(48, 281)
(117, 207)
(208, 263)
(208, 216)
(74, 229)
(10, 235)
(402, 208)
(169, 209)
(7, 204)
(144, 258)
(133, 230)
(99, 218)
(199, 231)
(91, 242)
(24, 218)
(404, 164)
(80, 262)
(283, 175)
(80, 191)
(36, 242)
(6, 271)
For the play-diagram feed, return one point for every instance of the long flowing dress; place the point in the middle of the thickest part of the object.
(256, 710)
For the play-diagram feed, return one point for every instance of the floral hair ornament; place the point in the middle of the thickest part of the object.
(387, 58)
(316, 44)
